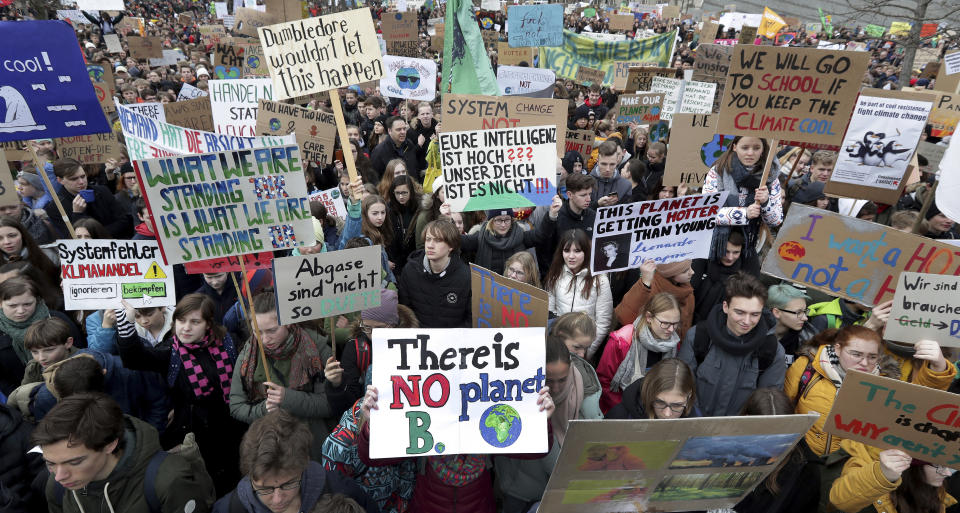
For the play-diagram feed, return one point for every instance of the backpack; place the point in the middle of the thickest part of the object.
(807, 379)
(701, 346)
(149, 484)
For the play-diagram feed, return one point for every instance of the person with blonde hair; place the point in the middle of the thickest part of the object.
(522, 267)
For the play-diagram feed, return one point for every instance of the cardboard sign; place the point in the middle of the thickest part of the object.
(289, 10)
(196, 113)
(227, 61)
(475, 112)
(712, 63)
(97, 274)
(517, 80)
(668, 230)
(708, 32)
(641, 78)
(46, 90)
(319, 54)
(8, 186)
(434, 402)
(535, 25)
(925, 307)
(945, 116)
(90, 149)
(189, 92)
(145, 47)
(403, 48)
(587, 75)
(251, 262)
(13, 151)
(580, 141)
(691, 464)
(499, 168)
(748, 35)
(672, 89)
(250, 201)
(234, 104)
(254, 64)
(327, 284)
(851, 258)
(332, 201)
(214, 33)
(72, 16)
(113, 43)
(951, 62)
(694, 149)
(248, 21)
(315, 130)
(399, 26)
(103, 85)
(622, 22)
(579, 50)
(893, 414)
(499, 302)
(412, 79)
(168, 58)
(670, 12)
(880, 141)
(507, 56)
(791, 93)
(152, 110)
(621, 73)
(643, 109)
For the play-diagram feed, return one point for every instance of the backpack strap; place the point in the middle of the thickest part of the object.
(805, 379)
(150, 481)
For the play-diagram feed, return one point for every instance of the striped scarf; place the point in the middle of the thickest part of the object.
(458, 470)
(200, 382)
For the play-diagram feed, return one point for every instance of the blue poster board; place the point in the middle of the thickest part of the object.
(535, 25)
(45, 91)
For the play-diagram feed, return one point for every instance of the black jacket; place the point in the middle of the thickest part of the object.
(630, 407)
(709, 284)
(17, 468)
(566, 220)
(799, 481)
(492, 251)
(104, 209)
(222, 301)
(439, 300)
(387, 151)
(11, 368)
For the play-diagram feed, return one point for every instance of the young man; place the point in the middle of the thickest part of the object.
(611, 188)
(939, 226)
(49, 341)
(395, 146)
(710, 277)
(351, 114)
(102, 205)
(143, 230)
(220, 290)
(98, 460)
(734, 351)
(821, 167)
(435, 283)
(575, 213)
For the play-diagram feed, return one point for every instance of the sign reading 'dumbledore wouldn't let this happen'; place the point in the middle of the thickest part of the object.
(327, 284)
(499, 168)
(230, 203)
(98, 274)
(322, 53)
(925, 307)
(452, 391)
(667, 230)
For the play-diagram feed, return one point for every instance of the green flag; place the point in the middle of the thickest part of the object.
(466, 67)
(825, 20)
(875, 30)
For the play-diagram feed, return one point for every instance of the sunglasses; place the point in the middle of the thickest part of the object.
(413, 79)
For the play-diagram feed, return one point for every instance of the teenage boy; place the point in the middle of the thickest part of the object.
(435, 283)
(49, 341)
(611, 188)
(220, 290)
(79, 202)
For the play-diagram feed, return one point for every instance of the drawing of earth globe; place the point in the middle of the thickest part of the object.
(253, 61)
(500, 425)
(274, 124)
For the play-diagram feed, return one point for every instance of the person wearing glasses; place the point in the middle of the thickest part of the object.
(279, 475)
(788, 304)
(522, 267)
(667, 391)
(815, 377)
(636, 347)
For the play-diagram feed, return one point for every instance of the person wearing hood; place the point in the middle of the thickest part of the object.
(673, 278)
(710, 276)
(32, 192)
(611, 188)
(572, 162)
(667, 391)
(812, 194)
(279, 476)
(435, 283)
(18, 467)
(734, 351)
(98, 460)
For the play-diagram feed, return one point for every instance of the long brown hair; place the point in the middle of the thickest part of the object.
(382, 235)
(569, 238)
(914, 495)
(35, 255)
(723, 163)
(668, 374)
(203, 303)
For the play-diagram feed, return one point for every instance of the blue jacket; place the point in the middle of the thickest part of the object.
(100, 338)
(353, 228)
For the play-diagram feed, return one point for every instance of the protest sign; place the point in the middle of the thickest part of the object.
(254, 64)
(580, 141)
(252, 262)
(322, 53)
(72, 16)
(709, 31)
(852, 258)
(623, 22)
(499, 168)
(8, 187)
(499, 302)
(227, 61)
(880, 140)
(152, 110)
(100, 5)
(145, 47)
(668, 230)
(113, 43)
(248, 21)
(694, 149)
(932, 152)
(507, 56)
(670, 12)
(409, 78)
(587, 75)
(698, 97)
(130, 25)
(195, 113)
(402, 48)
(604, 36)
(101, 76)
(189, 92)
(688, 464)
(90, 149)
(220, 9)
(925, 307)
(168, 58)
(332, 200)
(945, 116)
(951, 63)
(315, 130)
(475, 112)
(46, 89)
(672, 89)
(327, 284)
(640, 78)
(747, 35)
(643, 108)
(289, 9)
(14, 151)
(712, 63)
(892, 414)
(579, 50)
(97, 274)
(399, 26)
(234, 104)
(621, 73)
(227, 203)
(521, 80)
(483, 401)
(535, 25)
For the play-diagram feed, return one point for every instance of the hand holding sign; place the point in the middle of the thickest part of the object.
(762, 194)
(753, 211)
(275, 395)
(879, 315)
(333, 371)
(546, 402)
(369, 403)
(893, 463)
(930, 350)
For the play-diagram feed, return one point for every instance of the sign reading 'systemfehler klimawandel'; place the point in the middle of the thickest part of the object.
(453, 391)
(667, 230)
(98, 273)
(499, 168)
(230, 203)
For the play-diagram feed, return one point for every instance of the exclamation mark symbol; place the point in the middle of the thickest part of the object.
(46, 60)
(154, 269)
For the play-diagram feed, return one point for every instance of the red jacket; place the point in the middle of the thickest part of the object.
(618, 344)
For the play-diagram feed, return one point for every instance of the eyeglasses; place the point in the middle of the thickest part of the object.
(501, 220)
(800, 314)
(667, 325)
(674, 407)
(516, 273)
(268, 491)
(858, 356)
(366, 329)
(944, 471)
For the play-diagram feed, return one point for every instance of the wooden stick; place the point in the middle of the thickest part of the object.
(342, 133)
(333, 336)
(53, 193)
(253, 318)
(796, 161)
(772, 145)
(927, 201)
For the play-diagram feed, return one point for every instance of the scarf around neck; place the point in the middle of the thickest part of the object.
(757, 340)
(634, 364)
(297, 359)
(733, 179)
(199, 381)
(830, 363)
(15, 330)
(568, 402)
(460, 469)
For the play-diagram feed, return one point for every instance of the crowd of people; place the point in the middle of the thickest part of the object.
(174, 409)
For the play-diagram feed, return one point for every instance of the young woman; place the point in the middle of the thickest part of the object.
(673, 278)
(395, 168)
(577, 330)
(832, 353)
(500, 237)
(16, 244)
(749, 202)
(572, 288)
(128, 189)
(368, 219)
(90, 228)
(634, 348)
(403, 199)
(668, 391)
(521, 266)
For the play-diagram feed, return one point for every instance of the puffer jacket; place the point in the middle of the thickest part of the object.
(566, 296)
(820, 392)
(638, 295)
(863, 484)
(439, 300)
(618, 345)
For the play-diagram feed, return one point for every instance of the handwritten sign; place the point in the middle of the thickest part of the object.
(235, 102)
(643, 109)
(248, 21)
(520, 80)
(925, 306)
(152, 110)
(251, 262)
(587, 75)
(848, 257)
(791, 93)
(535, 25)
(694, 149)
(315, 130)
(621, 22)
(90, 149)
(405, 77)
(196, 113)
(507, 56)
(188, 92)
(399, 26)
(227, 203)
(668, 230)
(145, 47)
(580, 50)
(97, 274)
(475, 112)
(332, 201)
(435, 402)
(501, 302)
(640, 78)
(698, 97)
(580, 141)
(327, 284)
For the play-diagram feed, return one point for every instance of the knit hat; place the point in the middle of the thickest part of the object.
(583, 111)
(33, 179)
(810, 193)
(202, 71)
(386, 312)
(499, 212)
(674, 268)
(933, 209)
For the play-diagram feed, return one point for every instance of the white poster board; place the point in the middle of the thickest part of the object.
(235, 102)
(409, 78)
(99, 273)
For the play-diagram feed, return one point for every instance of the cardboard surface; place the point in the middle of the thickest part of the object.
(925, 307)
(694, 149)
(315, 130)
(8, 185)
(587, 75)
(509, 56)
(580, 141)
(195, 113)
(90, 149)
(145, 47)
(499, 302)
(640, 78)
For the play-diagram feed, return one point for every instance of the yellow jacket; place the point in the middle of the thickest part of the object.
(820, 392)
(863, 484)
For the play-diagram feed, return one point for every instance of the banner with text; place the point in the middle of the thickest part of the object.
(475, 112)
(579, 50)
(499, 302)
(925, 307)
(98, 273)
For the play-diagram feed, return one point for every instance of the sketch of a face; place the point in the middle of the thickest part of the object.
(610, 250)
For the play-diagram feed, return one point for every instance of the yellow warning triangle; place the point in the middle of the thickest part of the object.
(155, 272)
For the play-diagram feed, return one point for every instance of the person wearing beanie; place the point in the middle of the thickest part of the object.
(789, 306)
(673, 278)
(500, 237)
(32, 192)
(812, 194)
(938, 225)
(435, 283)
